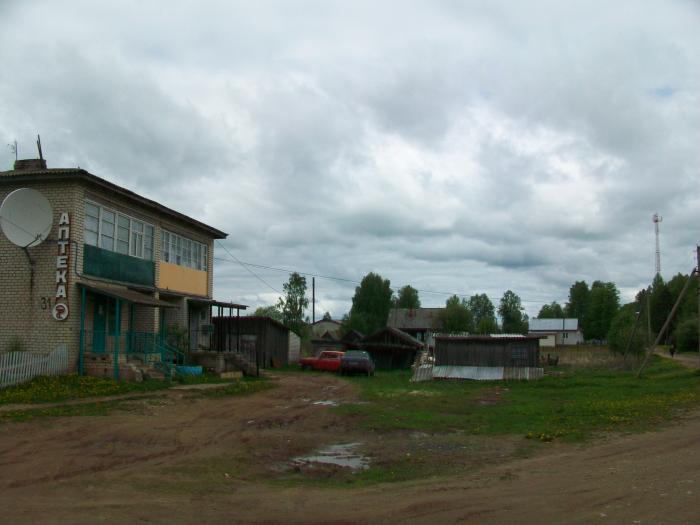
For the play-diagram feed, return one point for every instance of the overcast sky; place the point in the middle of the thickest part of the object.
(460, 147)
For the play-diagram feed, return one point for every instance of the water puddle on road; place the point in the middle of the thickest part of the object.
(326, 403)
(342, 455)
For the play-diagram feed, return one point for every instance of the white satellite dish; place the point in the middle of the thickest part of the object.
(26, 217)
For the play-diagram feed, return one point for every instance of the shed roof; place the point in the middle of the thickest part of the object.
(415, 318)
(553, 325)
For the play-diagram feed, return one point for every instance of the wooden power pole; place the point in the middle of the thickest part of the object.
(698, 274)
(661, 333)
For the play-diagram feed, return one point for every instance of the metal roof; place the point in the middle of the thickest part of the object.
(63, 174)
(126, 294)
(415, 318)
(553, 325)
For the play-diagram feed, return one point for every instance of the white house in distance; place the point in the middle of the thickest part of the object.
(556, 332)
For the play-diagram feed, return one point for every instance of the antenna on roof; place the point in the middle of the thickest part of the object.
(38, 145)
(13, 148)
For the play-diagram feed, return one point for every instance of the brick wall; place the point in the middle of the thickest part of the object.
(26, 316)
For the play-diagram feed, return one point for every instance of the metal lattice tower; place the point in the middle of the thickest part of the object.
(656, 218)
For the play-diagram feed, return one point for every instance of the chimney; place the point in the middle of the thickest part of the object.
(30, 164)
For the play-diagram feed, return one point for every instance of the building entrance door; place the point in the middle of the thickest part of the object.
(99, 323)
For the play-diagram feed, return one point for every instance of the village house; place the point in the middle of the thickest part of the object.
(419, 323)
(119, 275)
(556, 332)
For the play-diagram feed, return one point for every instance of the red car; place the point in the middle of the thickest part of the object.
(328, 360)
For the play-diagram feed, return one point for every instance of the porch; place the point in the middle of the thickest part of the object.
(121, 329)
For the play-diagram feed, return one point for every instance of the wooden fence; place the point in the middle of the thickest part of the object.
(20, 367)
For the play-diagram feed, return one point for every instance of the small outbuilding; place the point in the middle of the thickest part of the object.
(391, 348)
(266, 342)
(487, 357)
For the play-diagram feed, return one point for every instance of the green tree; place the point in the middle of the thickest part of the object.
(686, 336)
(513, 318)
(456, 316)
(603, 305)
(552, 310)
(577, 305)
(293, 304)
(327, 316)
(483, 314)
(408, 297)
(660, 305)
(622, 328)
(371, 304)
(268, 311)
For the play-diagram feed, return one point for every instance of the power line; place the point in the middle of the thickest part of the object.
(341, 279)
(236, 259)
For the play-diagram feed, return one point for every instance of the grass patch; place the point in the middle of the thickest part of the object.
(571, 406)
(50, 389)
(87, 409)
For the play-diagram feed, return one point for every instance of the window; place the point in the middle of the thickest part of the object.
(92, 223)
(183, 252)
(117, 232)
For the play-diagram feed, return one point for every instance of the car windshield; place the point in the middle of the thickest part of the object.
(356, 354)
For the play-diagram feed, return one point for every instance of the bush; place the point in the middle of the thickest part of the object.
(686, 336)
(621, 329)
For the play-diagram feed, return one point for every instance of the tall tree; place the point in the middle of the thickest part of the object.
(408, 297)
(660, 305)
(294, 302)
(623, 332)
(513, 318)
(268, 311)
(456, 316)
(552, 310)
(371, 304)
(603, 305)
(327, 316)
(483, 314)
(579, 293)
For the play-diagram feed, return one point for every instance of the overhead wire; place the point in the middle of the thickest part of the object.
(246, 264)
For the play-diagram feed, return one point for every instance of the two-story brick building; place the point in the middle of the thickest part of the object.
(129, 275)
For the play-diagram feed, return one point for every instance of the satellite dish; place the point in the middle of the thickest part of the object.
(26, 217)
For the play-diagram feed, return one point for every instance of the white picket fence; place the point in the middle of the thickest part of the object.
(19, 367)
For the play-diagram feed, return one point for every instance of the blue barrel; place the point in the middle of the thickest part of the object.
(189, 370)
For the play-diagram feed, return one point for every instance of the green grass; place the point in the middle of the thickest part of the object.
(572, 406)
(86, 409)
(50, 389)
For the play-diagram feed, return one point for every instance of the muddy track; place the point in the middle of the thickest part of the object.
(174, 461)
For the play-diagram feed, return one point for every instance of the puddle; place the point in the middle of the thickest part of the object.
(326, 403)
(338, 455)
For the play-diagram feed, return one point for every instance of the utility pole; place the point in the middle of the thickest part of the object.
(698, 273)
(650, 350)
(313, 300)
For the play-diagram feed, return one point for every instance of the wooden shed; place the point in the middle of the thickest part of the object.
(274, 344)
(487, 357)
(391, 348)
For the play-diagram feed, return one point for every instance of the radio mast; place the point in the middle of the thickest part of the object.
(656, 218)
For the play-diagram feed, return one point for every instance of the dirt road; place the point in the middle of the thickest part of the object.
(181, 459)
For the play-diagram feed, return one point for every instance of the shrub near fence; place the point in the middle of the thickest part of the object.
(20, 367)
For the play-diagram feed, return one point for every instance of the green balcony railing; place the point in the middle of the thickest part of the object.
(119, 267)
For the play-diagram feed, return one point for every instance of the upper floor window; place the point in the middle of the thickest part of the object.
(117, 232)
(180, 250)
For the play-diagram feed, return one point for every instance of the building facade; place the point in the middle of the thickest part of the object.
(118, 273)
(556, 332)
